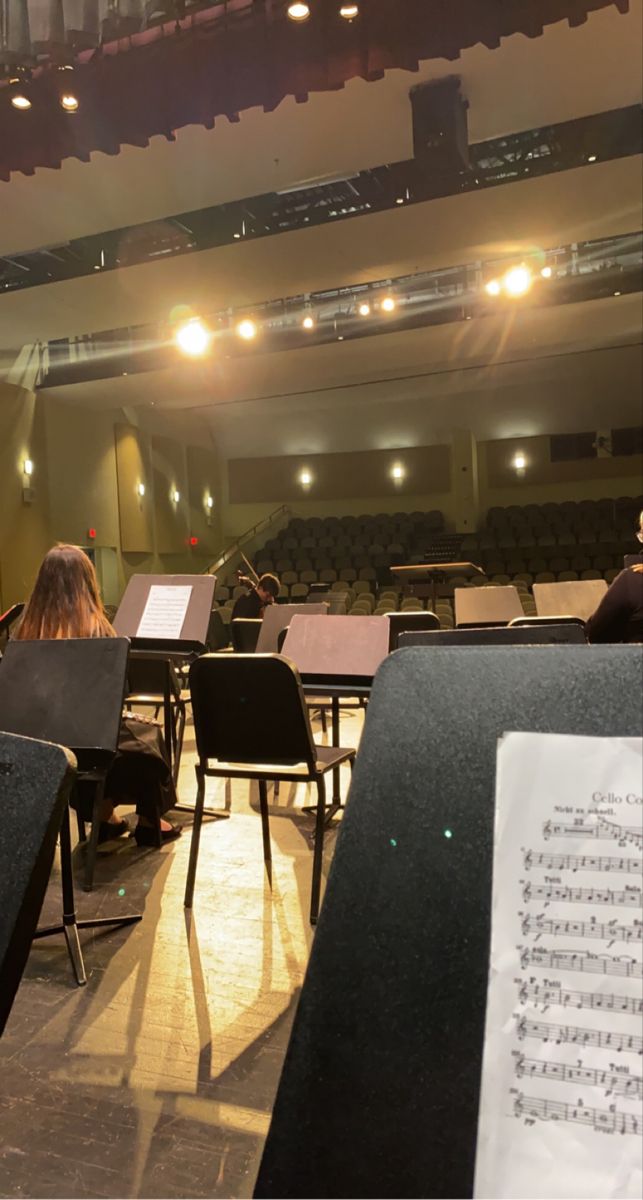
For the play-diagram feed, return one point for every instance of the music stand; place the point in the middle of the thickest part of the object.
(9, 617)
(575, 598)
(486, 606)
(191, 638)
(547, 634)
(277, 616)
(434, 574)
(35, 782)
(380, 1086)
(69, 692)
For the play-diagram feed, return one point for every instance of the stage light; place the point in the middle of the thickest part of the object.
(492, 288)
(349, 11)
(364, 309)
(546, 272)
(27, 466)
(305, 478)
(247, 330)
(20, 100)
(69, 102)
(519, 461)
(388, 304)
(518, 281)
(298, 12)
(176, 496)
(193, 338)
(141, 489)
(308, 323)
(398, 472)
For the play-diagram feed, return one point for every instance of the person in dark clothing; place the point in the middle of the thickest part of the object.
(253, 604)
(619, 616)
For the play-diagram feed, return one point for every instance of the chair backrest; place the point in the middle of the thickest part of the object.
(498, 635)
(218, 636)
(400, 958)
(409, 622)
(68, 692)
(250, 708)
(35, 781)
(245, 634)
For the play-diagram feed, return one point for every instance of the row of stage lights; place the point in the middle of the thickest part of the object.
(193, 337)
(18, 83)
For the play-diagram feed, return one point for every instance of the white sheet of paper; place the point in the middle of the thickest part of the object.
(560, 1107)
(164, 611)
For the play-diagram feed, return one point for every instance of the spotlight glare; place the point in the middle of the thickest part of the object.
(298, 12)
(349, 11)
(308, 323)
(546, 272)
(20, 101)
(69, 102)
(388, 304)
(518, 281)
(364, 309)
(492, 288)
(305, 478)
(247, 330)
(193, 338)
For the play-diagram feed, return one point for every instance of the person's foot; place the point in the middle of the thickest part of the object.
(146, 835)
(114, 828)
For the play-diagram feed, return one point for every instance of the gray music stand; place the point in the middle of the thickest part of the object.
(277, 617)
(486, 605)
(35, 782)
(380, 1086)
(193, 636)
(575, 598)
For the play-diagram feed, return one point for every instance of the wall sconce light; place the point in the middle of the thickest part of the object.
(27, 467)
(519, 463)
(176, 496)
(209, 502)
(140, 489)
(397, 472)
(305, 478)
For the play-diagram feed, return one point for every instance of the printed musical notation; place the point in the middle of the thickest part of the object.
(603, 1039)
(616, 1083)
(580, 895)
(600, 829)
(556, 997)
(556, 798)
(598, 1118)
(567, 960)
(607, 931)
(583, 862)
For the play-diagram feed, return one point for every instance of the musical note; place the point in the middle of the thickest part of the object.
(580, 895)
(567, 960)
(598, 1118)
(579, 1036)
(600, 1001)
(583, 862)
(584, 929)
(602, 829)
(613, 1081)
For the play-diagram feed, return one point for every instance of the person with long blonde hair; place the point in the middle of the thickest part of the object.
(66, 603)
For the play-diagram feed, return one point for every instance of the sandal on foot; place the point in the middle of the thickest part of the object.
(146, 835)
(112, 829)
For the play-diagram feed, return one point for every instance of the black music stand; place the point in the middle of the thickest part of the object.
(35, 782)
(9, 617)
(69, 692)
(433, 574)
(548, 634)
(191, 639)
(380, 1087)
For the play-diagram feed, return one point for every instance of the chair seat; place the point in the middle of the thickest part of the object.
(156, 698)
(327, 758)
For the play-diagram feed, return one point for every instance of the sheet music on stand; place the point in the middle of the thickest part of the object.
(164, 612)
(561, 1100)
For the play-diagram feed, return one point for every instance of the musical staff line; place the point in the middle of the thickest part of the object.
(598, 1118)
(569, 960)
(613, 1081)
(581, 895)
(602, 829)
(583, 862)
(608, 931)
(579, 1036)
(539, 993)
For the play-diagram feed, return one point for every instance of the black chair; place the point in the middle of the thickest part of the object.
(251, 722)
(499, 635)
(70, 692)
(35, 782)
(9, 617)
(409, 622)
(245, 634)
(152, 682)
(541, 622)
(218, 635)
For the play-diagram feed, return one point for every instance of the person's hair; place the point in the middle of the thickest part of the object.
(65, 602)
(270, 584)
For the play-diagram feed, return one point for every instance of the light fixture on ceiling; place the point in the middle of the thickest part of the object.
(397, 472)
(364, 309)
(193, 337)
(247, 329)
(546, 272)
(388, 304)
(308, 322)
(399, 200)
(592, 157)
(298, 11)
(518, 281)
(69, 102)
(349, 11)
(305, 477)
(492, 288)
(19, 93)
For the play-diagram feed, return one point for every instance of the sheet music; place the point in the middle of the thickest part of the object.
(561, 1111)
(164, 611)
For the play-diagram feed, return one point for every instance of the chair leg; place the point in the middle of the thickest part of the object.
(324, 722)
(196, 837)
(180, 732)
(92, 844)
(265, 821)
(82, 832)
(318, 850)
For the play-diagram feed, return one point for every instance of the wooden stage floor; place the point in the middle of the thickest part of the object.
(158, 1078)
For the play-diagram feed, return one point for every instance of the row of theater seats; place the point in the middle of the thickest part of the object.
(570, 513)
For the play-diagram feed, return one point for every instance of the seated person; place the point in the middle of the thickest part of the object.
(66, 603)
(257, 599)
(619, 616)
